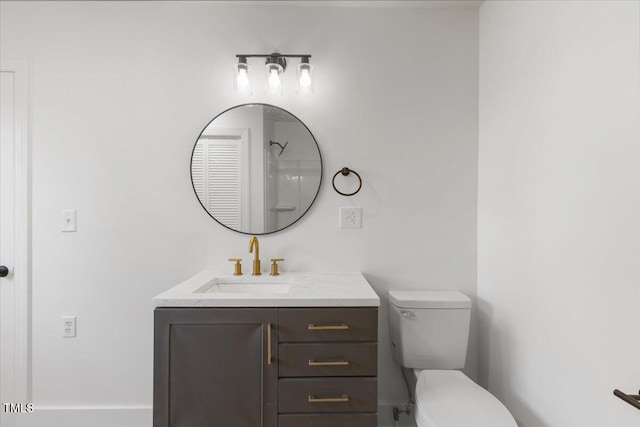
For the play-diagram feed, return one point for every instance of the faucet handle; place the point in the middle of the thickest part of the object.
(274, 266)
(238, 266)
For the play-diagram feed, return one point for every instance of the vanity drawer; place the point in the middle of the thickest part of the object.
(310, 395)
(328, 420)
(328, 359)
(328, 324)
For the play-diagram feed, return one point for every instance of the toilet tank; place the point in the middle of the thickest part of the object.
(429, 329)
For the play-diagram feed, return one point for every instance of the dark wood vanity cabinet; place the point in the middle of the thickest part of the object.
(265, 367)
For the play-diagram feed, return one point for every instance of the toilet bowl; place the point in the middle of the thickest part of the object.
(429, 333)
(448, 398)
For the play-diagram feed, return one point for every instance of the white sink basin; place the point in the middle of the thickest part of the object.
(245, 285)
(249, 288)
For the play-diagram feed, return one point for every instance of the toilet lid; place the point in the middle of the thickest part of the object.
(450, 399)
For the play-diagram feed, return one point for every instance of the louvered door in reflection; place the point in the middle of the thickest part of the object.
(219, 169)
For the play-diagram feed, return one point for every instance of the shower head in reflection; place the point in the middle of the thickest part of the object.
(282, 147)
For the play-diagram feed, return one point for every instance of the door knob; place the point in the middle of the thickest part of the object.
(3, 270)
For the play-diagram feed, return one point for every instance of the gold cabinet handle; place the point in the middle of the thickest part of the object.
(342, 399)
(269, 344)
(328, 363)
(341, 327)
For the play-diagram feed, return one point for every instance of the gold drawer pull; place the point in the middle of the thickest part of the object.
(341, 327)
(328, 363)
(342, 399)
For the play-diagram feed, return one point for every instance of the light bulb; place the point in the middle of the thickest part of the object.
(242, 79)
(274, 78)
(305, 78)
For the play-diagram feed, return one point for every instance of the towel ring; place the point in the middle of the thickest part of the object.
(346, 171)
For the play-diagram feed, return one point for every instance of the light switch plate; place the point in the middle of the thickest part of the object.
(350, 218)
(69, 217)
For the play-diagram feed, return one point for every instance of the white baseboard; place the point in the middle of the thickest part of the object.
(141, 417)
(88, 416)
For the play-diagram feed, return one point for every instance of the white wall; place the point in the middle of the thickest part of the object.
(559, 210)
(120, 92)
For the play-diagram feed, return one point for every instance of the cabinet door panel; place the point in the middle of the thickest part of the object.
(206, 386)
(211, 370)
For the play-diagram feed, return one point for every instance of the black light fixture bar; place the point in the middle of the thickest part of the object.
(278, 55)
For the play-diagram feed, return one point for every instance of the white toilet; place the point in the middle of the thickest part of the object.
(429, 333)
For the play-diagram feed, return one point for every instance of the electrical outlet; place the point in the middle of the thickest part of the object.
(69, 220)
(68, 326)
(350, 218)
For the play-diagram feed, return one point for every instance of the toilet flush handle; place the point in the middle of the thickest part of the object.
(408, 314)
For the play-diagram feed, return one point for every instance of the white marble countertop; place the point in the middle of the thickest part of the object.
(304, 290)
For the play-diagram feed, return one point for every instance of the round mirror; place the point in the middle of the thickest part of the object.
(256, 168)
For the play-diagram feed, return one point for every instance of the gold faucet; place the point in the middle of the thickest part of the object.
(256, 261)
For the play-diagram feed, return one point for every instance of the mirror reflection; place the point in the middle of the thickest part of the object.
(256, 168)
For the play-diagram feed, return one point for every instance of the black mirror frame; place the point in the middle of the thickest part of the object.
(264, 105)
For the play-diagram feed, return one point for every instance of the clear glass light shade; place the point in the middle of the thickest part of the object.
(241, 81)
(305, 79)
(274, 81)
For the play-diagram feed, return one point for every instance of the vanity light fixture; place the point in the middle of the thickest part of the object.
(275, 66)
